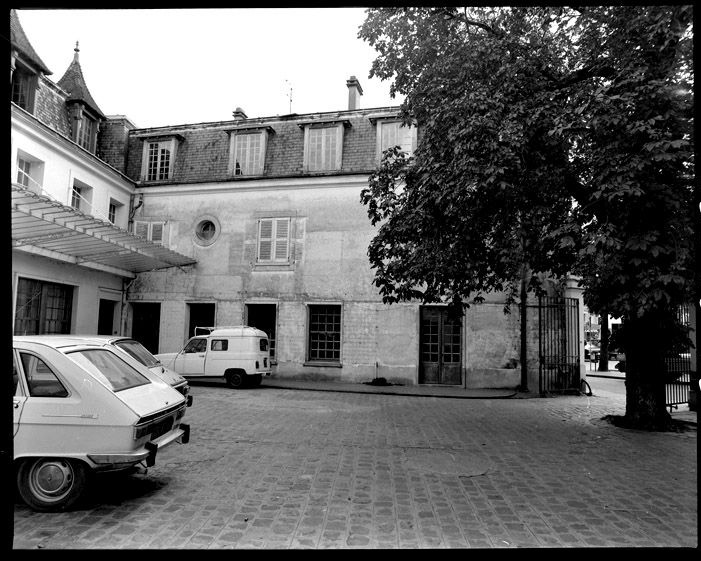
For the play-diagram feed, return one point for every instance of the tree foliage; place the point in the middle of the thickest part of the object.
(552, 141)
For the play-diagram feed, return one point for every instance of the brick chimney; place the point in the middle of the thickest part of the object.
(354, 92)
(239, 114)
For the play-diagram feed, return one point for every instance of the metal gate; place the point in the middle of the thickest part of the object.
(678, 369)
(558, 345)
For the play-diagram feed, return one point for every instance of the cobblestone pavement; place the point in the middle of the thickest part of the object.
(283, 468)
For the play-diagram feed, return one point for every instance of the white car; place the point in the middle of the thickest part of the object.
(81, 408)
(137, 351)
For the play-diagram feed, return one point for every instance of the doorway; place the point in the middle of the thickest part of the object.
(145, 326)
(440, 347)
(263, 317)
(105, 317)
(201, 315)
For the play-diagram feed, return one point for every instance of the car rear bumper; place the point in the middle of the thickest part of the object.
(114, 462)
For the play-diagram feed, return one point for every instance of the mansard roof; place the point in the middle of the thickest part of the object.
(73, 83)
(19, 41)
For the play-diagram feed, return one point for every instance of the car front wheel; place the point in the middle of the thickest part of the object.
(51, 484)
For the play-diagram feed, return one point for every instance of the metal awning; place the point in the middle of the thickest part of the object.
(41, 222)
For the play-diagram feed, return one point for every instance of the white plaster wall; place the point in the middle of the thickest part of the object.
(90, 286)
(63, 162)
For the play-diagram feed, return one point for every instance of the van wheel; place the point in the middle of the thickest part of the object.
(51, 484)
(256, 380)
(236, 379)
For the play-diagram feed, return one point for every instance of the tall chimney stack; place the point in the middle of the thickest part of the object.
(354, 92)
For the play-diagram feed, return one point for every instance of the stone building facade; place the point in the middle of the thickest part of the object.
(263, 222)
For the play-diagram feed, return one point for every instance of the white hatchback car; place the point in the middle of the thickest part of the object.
(134, 349)
(81, 408)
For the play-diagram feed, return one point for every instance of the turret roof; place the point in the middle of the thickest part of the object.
(73, 83)
(19, 41)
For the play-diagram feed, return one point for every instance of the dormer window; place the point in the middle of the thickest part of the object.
(87, 133)
(392, 132)
(158, 158)
(323, 145)
(24, 85)
(247, 150)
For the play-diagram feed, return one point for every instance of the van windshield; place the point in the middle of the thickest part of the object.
(110, 369)
(138, 351)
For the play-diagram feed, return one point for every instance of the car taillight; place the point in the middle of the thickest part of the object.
(257, 365)
(265, 363)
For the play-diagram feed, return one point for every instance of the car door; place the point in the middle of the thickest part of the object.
(190, 361)
(19, 396)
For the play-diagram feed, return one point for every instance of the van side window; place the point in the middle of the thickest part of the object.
(41, 380)
(263, 345)
(220, 345)
(196, 346)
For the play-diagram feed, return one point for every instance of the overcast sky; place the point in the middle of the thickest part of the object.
(164, 67)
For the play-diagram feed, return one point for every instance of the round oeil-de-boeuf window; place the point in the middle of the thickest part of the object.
(206, 231)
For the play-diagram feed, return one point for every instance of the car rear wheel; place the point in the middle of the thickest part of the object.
(51, 484)
(236, 379)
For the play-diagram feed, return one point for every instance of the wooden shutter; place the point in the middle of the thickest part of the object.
(282, 238)
(157, 232)
(141, 229)
(265, 239)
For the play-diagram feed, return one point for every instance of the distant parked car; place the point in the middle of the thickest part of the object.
(80, 408)
(590, 349)
(138, 352)
(238, 355)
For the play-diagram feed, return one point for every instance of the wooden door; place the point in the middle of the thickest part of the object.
(441, 348)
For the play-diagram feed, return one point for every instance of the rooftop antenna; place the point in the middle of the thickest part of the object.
(290, 94)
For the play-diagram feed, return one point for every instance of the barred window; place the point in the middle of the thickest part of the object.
(324, 333)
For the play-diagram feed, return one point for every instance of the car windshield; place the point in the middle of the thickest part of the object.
(138, 351)
(111, 370)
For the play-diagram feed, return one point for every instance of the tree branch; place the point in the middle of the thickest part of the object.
(463, 18)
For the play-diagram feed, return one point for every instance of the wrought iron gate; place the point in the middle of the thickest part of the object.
(679, 370)
(558, 346)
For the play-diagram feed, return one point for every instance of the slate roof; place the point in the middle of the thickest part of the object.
(19, 40)
(74, 84)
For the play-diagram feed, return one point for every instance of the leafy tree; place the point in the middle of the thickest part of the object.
(553, 141)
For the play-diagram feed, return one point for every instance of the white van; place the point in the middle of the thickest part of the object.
(238, 355)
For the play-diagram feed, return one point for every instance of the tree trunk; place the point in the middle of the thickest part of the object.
(645, 370)
(604, 342)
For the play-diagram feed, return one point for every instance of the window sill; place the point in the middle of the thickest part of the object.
(323, 363)
(273, 266)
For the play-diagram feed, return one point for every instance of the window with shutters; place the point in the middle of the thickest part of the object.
(273, 240)
(152, 231)
(392, 133)
(158, 160)
(248, 152)
(323, 147)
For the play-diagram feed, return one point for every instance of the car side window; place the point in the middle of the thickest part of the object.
(41, 379)
(220, 345)
(196, 346)
(15, 375)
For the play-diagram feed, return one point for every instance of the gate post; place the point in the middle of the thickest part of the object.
(573, 290)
